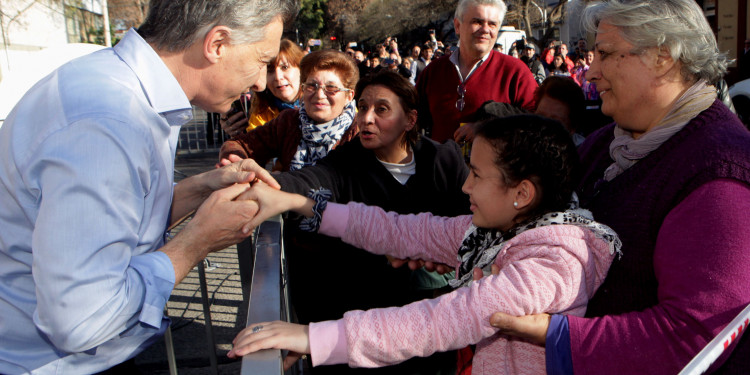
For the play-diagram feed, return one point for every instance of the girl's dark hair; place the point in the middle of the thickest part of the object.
(534, 148)
(406, 92)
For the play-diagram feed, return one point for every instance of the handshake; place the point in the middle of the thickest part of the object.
(261, 189)
(265, 192)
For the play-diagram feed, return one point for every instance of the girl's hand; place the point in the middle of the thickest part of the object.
(273, 335)
(273, 202)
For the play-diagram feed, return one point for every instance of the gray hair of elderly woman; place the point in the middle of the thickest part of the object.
(464, 4)
(174, 25)
(677, 26)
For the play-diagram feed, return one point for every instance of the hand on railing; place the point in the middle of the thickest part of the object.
(273, 335)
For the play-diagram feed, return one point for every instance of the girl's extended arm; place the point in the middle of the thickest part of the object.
(273, 202)
(534, 278)
(421, 236)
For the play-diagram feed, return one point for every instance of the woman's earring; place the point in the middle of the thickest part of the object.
(515, 204)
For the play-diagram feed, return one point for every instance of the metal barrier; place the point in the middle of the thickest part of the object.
(269, 298)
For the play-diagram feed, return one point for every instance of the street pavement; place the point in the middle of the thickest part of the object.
(186, 310)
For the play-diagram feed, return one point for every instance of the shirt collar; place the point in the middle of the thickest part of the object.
(454, 58)
(159, 84)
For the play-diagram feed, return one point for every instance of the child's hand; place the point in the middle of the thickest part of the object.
(273, 335)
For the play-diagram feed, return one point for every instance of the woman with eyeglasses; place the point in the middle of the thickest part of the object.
(301, 137)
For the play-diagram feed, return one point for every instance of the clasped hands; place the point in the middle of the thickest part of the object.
(296, 338)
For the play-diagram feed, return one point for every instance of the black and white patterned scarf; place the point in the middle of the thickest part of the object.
(481, 245)
(319, 139)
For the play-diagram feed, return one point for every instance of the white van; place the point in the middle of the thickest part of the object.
(507, 35)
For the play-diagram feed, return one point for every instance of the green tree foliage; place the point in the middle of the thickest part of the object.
(311, 18)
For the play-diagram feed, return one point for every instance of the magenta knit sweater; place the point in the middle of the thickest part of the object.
(683, 214)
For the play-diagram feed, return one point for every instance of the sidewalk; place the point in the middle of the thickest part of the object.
(186, 311)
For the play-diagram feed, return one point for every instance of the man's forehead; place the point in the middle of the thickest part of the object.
(482, 12)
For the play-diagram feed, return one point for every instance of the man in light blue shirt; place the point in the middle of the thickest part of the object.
(86, 184)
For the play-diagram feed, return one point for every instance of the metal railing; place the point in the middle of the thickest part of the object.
(269, 297)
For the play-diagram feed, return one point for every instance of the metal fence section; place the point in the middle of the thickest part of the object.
(202, 134)
(269, 298)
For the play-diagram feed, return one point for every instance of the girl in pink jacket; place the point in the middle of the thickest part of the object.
(551, 257)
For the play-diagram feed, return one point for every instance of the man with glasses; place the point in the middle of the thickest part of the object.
(452, 88)
(86, 184)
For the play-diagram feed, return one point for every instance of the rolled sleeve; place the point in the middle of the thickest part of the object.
(158, 275)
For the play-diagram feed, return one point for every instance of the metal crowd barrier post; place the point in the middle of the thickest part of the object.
(268, 296)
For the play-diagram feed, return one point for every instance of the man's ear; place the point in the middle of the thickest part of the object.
(456, 26)
(216, 43)
(525, 194)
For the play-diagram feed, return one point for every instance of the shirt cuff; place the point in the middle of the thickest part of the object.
(328, 343)
(158, 277)
(557, 353)
(335, 219)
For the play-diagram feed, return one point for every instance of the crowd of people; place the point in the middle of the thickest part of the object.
(620, 251)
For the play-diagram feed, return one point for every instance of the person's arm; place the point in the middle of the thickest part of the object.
(260, 144)
(703, 284)
(525, 85)
(421, 236)
(191, 192)
(96, 278)
(96, 272)
(374, 338)
(551, 276)
(326, 173)
(701, 264)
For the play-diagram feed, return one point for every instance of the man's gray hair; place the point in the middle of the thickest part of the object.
(464, 4)
(677, 26)
(174, 25)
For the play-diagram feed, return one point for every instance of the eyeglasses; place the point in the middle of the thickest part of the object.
(460, 102)
(328, 89)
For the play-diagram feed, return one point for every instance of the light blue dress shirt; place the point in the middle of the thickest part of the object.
(86, 183)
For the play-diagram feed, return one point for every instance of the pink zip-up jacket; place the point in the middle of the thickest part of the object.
(553, 269)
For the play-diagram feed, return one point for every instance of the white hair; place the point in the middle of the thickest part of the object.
(677, 26)
(464, 4)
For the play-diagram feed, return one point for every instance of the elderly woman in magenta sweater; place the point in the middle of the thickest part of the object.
(672, 177)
